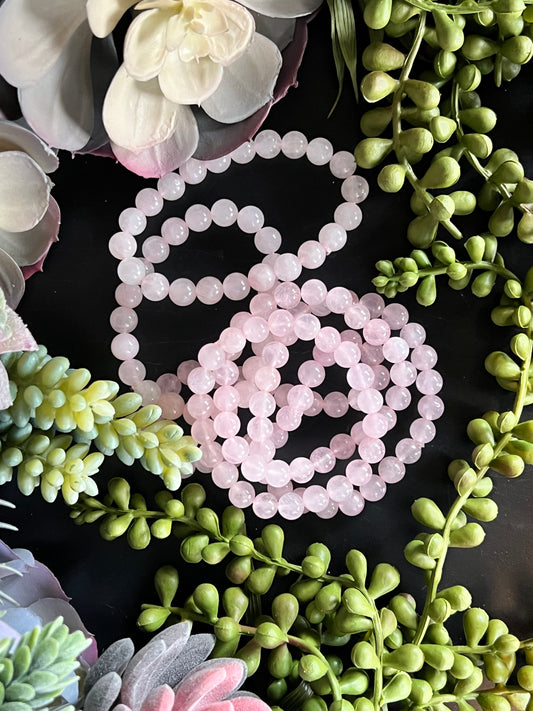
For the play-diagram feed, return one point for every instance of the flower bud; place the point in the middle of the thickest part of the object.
(166, 584)
(285, 608)
(191, 547)
(371, 151)
(392, 177)
(421, 692)
(357, 566)
(462, 667)
(380, 56)
(427, 291)
(439, 610)
(239, 569)
(280, 662)
(478, 144)
(444, 64)
(510, 171)
(313, 566)
(251, 655)
(449, 35)
(214, 553)
(241, 545)
(470, 684)
(501, 365)
(404, 611)
(153, 618)
(353, 683)
(509, 465)
(422, 93)
(311, 668)
(377, 13)
(482, 509)
(377, 85)
(273, 538)
(397, 689)
(442, 173)
(119, 491)
(260, 580)
(468, 536)
(193, 496)
(226, 629)
(428, 513)
(305, 590)
(468, 77)
(409, 658)
(113, 527)
(479, 119)
(483, 284)
(356, 602)
(268, 635)
(483, 487)
(476, 47)
(442, 128)
(525, 677)
(385, 578)
(364, 656)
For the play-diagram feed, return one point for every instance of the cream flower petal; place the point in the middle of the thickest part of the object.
(104, 14)
(283, 8)
(145, 44)
(33, 34)
(226, 47)
(20, 338)
(59, 107)
(14, 137)
(24, 191)
(136, 114)
(247, 84)
(189, 82)
(29, 247)
(168, 155)
(12, 281)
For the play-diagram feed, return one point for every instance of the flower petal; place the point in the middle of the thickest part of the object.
(24, 191)
(20, 338)
(279, 30)
(212, 681)
(29, 247)
(189, 82)
(196, 651)
(59, 107)
(34, 34)
(292, 58)
(5, 401)
(14, 137)
(115, 659)
(136, 114)
(249, 702)
(282, 8)
(247, 84)
(145, 44)
(104, 14)
(159, 699)
(12, 280)
(226, 47)
(219, 139)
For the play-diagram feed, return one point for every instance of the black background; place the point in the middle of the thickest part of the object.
(67, 308)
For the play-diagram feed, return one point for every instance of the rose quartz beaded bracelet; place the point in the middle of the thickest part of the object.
(280, 314)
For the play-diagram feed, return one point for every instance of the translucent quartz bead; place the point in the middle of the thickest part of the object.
(171, 405)
(186, 367)
(290, 506)
(224, 475)
(155, 249)
(311, 254)
(287, 295)
(311, 373)
(358, 472)
(328, 339)
(232, 340)
(288, 418)
(319, 151)
(356, 316)
(193, 171)
(342, 164)
(294, 144)
(189, 420)
(123, 320)
(376, 331)
(148, 390)
(241, 494)
(355, 189)
(287, 267)
(200, 405)
(374, 490)
(306, 327)
(218, 165)
(262, 404)
(403, 374)
(227, 374)
(280, 437)
(332, 237)
(353, 505)
(275, 354)
(391, 470)
(313, 292)
(335, 404)
(348, 215)
(122, 245)
(244, 153)
(422, 430)
(148, 266)
(300, 398)
(226, 424)
(236, 286)
(280, 322)
(149, 201)
(395, 349)
(371, 450)
(265, 450)
(124, 346)
(408, 451)
(201, 380)
(171, 186)
(267, 144)
(182, 292)
(169, 383)
(329, 512)
(211, 455)
(339, 299)
(316, 407)
(315, 498)
(129, 295)
(209, 290)
(360, 376)
(396, 316)
(398, 398)
(239, 319)
(371, 355)
(414, 334)
(381, 377)
(277, 473)
(211, 356)
(250, 219)
(262, 305)
(131, 270)
(424, 357)
(259, 429)
(301, 470)
(174, 231)
(132, 220)
(251, 366)
(374, 303)
(265, 505)
(342, 446)
(391, 416)
(226, 398)
(267, 240)
(155, 287)
(253, 468)
(325, 359)
(255, 329)
(375, 425)
(235, 450)
(131, 371)
(429, 382)
(198, 218)
(203, 431)
(323, 459)
(267, 379)
(224, 212)
(261, 277)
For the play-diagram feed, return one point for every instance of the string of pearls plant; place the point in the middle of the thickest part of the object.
(350, 640)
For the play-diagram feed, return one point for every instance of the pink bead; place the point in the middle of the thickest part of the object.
(357, 433)
(261, 277)
(251, 366)
(311, 373)
(132, 220)
(396, 316)
(329, 512)
(332, 237)
(224, 212)
(306, 327)
(131, 372)
(408, 451)
(288, 418)
(424, 357)
(245, 390)
(250, 219)
(360, 376)
(198, 218)
(224, 475)
(403, 373)
(398, 398)
(155, 287)
(265, 505)
(275, 355)
(311, 254)
(430, 407)
(232, 340)
(414, 334)
(300, 397)
(287, 295)
(211, 455)
(260, 429)
(294, 144)
(353, 505)
(235, 450)
(267, 143)
(342, 446)
(226, 398)
(262, 404)
(155, 249)
(226, 424)
(193, 171)
(169, 383)
(422, 431)
(201, 381)
(371, 355)
(280, 322)
(315, 498)
(395, 350)
(301, 470)
(218, 165)
(319, 151)
(371, 450)
(203, 431)
(209, 290)
(211, 356)
(281, 394)
(314, 292)
(265, 450)
(328, 339)
(348, 215)
(358, 472)
(131, 270)
(149, 201)
(171, 186)
(375, 425)
(278, 473)
(335, 404)
(129, 295)
(253, 468)
(323, 459)
(267, 378)
(391, 470)
(374, 303)
(376, 332)
(391, 416)
(200, 406)
(186, 367)
(369, 400)
(122, 245)
(429, 382)
(124, 346)
(182, 292)
(255, 329)
(123, 320)
(149, 391)
(267, 240)
(342, 164)
(338, 299)
(241, 494)
(325, 359)
(287, 267)
(227, 374)
(290, 506)
(357, 316)
(374, 490)
(171, 405)
(347, 354)
(236, 286)
(174, 231)
(381, 377)
(262, 305)
(244, 153)
(355, 189)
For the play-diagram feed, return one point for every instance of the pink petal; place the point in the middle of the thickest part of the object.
(220, 706)
(49, 229)
(249, 703)
(211, 681)
(160, 699)
(20, 338)
(292, 58)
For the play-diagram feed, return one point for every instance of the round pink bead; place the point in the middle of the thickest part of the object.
(129, 295)
(227, 374)
(155, 249)
(260, 429)
(355, 189)
(132, 220)
(182, 292)
(391, 470)
(155, 287)
(396, 316)
(395, 350)
(369, 400)
(348, 215)
(255, 329)
(374, 490)
(288, 418)
(131, 270)
(430, 407)
(408, 451)
(391, 416)
(174, 231)
(218, 165)
(342, 446)
(211, 356)
(226, 424)
(301, 470)
(149, 391)
(290, 506)
(429, 382)
(131, 371)
(360, 376)
(287, 295)
(253, 468)
(224, 212)
(267, 143)
(287, 267)
(398, 398)
(414, 334)
(315, 498)
(122, 245)
(422, 430)
(376, 332)
(358, 472)
(328, 339)
(339, 299)
(262, 404)
(403, 373)
(203, 431)
(251, 366)
(277, 473)
(314, 292)
(267, 378)
(375, 425)
(323, 459)
(281, 394)
(335, 404)
(311, 254)
(381, 377)
(300, 397)
(241, 494)
(224, 475)
(226, 398)
(267, 240)
(171, 186)
(244, 153)
(357, 316)
(201, 381)
(123, 320)
(311, 373)
(325, 359)
(262, 305)
(374, 303)
(329, 512)
(198, 218)
(371, 355)
(347, 354)
(250, 219)
(424, 357)
(371, 450)
(232, 340)
(294, 144)
(211, 455)
(235, 450)
(357, 433)
(193, 171)
(124, 346)
(316, 407)
(236, 286)
(168, 382)
(306, 327)
(171, 405)
(353, 505)
(265, 505)
(280, 322)
(149, 201)
(275, 354)
(209, 290)
(342, 164)
(261, 277)
(200, 405)
(332, 237)
(319, 151)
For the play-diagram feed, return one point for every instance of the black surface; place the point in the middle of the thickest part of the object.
(68, 306)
